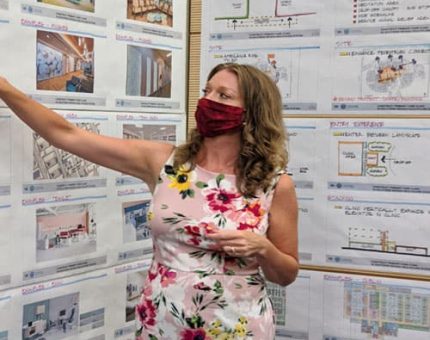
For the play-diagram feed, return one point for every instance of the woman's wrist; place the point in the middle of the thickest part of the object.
(265, 249)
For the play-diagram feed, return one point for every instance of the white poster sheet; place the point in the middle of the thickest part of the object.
(88, 55)
(363, 198)
(304, 164)
(377, 195)
(150, 42)
(292, 308)
(333, 58)
(61, 63)
(283, 63)
(392, 76)
(75, 307)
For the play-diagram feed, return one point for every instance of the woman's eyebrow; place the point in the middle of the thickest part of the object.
(227, 89)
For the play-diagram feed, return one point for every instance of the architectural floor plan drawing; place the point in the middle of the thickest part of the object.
(364, 158)
(284, 65)
(253, 15)
(374, 73)
(366, 308)
(379, 151)
(395, 75)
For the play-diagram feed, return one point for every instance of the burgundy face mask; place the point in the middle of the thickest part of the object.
(214, 119)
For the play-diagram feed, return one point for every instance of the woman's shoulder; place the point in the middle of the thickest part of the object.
(285, 187)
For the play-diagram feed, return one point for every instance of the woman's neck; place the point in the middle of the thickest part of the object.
(220, 154)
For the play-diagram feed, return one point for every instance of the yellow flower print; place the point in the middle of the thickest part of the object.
(218, 332)
(215, 328)
(243, 320)
(217, 323)
(215, 332)
(149, 215)
(181, 180)
(240, 327)
(240, 330)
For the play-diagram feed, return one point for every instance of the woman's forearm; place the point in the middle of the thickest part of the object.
(277, 266)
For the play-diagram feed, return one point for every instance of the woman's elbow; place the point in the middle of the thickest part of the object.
(288, 277)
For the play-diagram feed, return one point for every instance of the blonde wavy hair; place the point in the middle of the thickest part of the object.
(263, 140)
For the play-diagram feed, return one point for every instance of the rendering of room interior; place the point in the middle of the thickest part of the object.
(64, 62)
(65, 231)
(165, 133)
(158, 12)
(55, 318)
(149, 72)
(82, 5)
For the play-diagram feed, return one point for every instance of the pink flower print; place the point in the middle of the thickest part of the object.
(220, 200)
(194, 334)
(201, 286)
(255, 208)
(197, 233)
(250, 216)
(167, 276)
(145, 311)
(194, 232)
(209, 228)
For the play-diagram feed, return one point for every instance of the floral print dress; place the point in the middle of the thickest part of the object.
(193, 291)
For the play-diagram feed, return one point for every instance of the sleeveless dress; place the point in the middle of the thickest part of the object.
(193, 291)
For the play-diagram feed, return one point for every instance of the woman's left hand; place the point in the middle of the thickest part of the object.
(240, 243)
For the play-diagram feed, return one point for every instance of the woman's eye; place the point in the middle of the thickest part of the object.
(224, 96)
(205, 92)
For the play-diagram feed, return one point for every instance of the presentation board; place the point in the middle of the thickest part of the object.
(362, 192)
(103, 56)
(336, 57)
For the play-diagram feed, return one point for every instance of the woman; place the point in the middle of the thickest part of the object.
(223, 209)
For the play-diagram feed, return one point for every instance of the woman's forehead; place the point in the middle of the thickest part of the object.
(225, 78)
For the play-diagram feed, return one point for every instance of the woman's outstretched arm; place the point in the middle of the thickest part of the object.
(139, 158)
